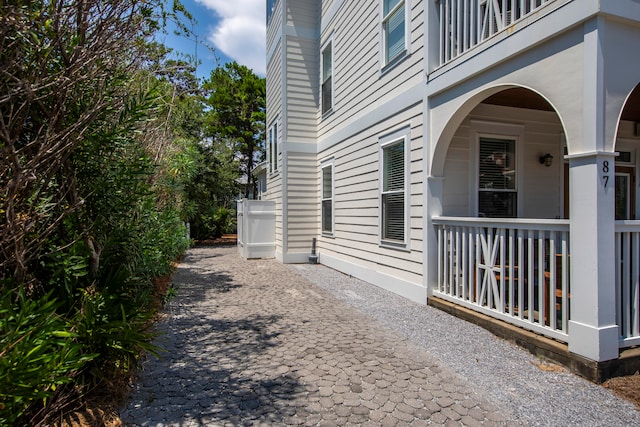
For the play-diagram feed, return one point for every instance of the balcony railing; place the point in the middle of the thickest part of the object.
(467, 23)
(628, 281)
(514, 270)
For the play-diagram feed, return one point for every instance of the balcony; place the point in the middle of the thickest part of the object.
(464, 24)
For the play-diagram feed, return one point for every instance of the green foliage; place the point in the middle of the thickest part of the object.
(236, 114)
(101, 134)
(214, 186)
(109, 147)
(40, 352)
(109, 326)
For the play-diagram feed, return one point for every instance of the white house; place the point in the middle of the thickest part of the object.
(478, 155)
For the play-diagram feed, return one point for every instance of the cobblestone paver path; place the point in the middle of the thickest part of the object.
(253, 343)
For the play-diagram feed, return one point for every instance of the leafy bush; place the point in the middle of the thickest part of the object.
(40, 352)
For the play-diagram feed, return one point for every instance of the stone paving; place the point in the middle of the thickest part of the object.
(254, 343)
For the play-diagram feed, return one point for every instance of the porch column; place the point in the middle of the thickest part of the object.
(434, 189)
(593, 332)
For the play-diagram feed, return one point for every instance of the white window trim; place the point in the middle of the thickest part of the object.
(324, 164)
(328, 42)
(495, 130)
(272, 155)
(385, 65)
(401, 135)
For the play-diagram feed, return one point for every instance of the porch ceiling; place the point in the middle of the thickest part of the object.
(524, 98)
(519, 98)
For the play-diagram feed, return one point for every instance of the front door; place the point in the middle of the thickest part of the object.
(625, 193)
(625, 198)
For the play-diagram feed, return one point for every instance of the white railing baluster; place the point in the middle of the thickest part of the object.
(541, 278)
(618, 271)
(472, 266)
(458, 28)
(565, 280)
(626, 288)
(512, 280)
(633, 283)
(627, 276)
(458, 272)
(515, 270)
(520, 274)
(466, 23)
(442, 32)
(553, 286)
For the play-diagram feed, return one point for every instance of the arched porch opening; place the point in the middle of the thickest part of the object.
(502, 233)
(627, 226)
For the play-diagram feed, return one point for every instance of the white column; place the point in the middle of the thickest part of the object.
(434, 193)
(593, 332)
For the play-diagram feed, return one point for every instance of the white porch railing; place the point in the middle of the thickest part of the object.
(466, 23)
(628, 282)
(515, 270)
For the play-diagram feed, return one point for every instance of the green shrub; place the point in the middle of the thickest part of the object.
(40, 352)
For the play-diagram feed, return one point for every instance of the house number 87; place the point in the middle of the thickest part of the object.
(605, 169)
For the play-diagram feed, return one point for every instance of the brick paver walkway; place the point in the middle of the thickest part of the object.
(253, 343)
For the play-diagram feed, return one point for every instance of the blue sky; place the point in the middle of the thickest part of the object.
(236, 29)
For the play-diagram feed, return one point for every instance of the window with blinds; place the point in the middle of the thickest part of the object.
(393, 192)
(327, 77)
(393, 25)
(272, 152)
(327, 199)
(497, 192)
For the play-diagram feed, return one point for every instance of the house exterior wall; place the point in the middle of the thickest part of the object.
(302, 204)
(362, 85)
(371, 101)
(574, 54)
(292, 103)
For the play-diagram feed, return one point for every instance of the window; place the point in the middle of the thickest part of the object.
(271, 5)
(497, 192)
(393, 200)
(393, 29)
(327, 77)
(327, 198)
(272, 150)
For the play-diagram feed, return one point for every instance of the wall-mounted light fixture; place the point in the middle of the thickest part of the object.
(546, 160)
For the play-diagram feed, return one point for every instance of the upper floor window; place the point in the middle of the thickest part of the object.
(272, 149)
(327, 77)
(271, 5)
(393, 29)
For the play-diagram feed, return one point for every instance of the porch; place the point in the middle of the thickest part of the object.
(518, 271)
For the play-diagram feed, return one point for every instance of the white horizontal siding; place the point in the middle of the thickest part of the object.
(303, 201)
(302, 88)
(359, 85)
(275, 26)
(356, 238)
(274, 86)
(303, 13)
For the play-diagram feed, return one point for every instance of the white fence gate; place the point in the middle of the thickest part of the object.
(256, 228)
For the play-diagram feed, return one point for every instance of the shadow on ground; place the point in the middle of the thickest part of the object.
(210, 370)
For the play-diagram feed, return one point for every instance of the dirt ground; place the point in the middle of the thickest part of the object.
(626, 387)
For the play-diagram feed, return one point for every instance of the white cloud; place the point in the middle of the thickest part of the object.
(240, 32)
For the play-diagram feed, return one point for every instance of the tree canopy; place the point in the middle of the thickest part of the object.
(236, 113)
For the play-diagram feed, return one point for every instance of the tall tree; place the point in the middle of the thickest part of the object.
(236, 113)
